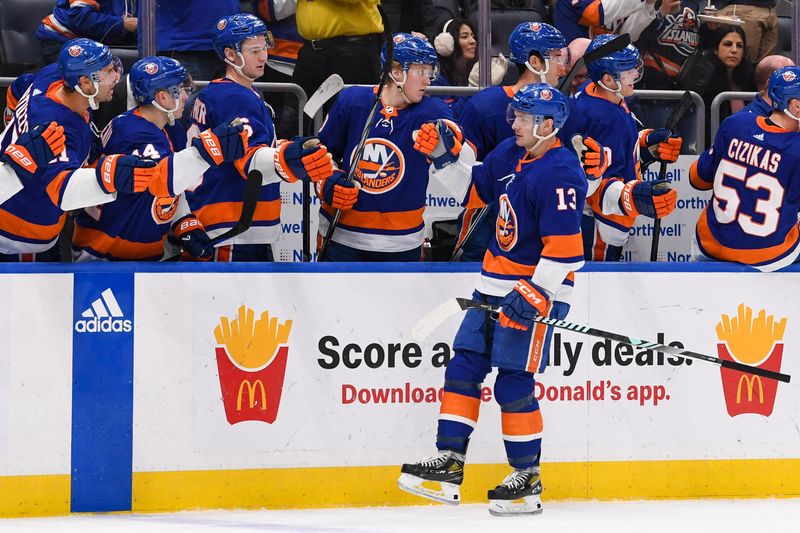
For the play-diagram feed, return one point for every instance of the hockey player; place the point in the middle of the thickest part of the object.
(753, 169)
(134, 226)
(528, 269)
(382, 215)
(241, 41)
(600, 112)
(538, 51)
(589, 18)
(31, 219)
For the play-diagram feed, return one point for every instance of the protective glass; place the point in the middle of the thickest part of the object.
(423, 71)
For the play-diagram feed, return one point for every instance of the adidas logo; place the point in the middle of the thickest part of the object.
(759, 136)
(104, 316)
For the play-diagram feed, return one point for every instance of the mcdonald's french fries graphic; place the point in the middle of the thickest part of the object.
(251, 359)
(755, 341)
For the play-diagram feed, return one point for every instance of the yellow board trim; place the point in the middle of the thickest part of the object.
(295, 488)
(22, 496)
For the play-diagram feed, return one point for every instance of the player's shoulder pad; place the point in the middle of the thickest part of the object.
(559, 167)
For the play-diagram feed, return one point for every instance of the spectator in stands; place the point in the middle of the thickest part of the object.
(412, 16)
(576, 50)
(457, 50)
(587, 18)
(762, 104)
(182, 33)
(338, 41)
(282, 22)
(760, 24)
(732, 72)
(104, 21)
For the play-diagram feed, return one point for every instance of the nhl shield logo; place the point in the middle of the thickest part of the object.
(221, 24)
(546, 94)
(151, 68)
(535, 26)
(75, 50)
(789, 75)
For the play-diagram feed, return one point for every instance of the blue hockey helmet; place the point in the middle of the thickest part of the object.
(614, 64)
(408, 50)
(541, 101)
(152, 74)
(784, 86)
(83, 57)
(530, 37)
(229, 32)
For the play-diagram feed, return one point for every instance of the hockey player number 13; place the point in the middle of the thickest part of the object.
(566, 199)
(767, 207)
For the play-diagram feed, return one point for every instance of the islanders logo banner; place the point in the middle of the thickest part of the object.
(251, 359)
(754, 341)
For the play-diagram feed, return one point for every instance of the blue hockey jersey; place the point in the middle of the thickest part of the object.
(217, 201)
(538, 226)
(134, 226)
(754, 170)
(100, 20)
(388, 214)
(31, 220)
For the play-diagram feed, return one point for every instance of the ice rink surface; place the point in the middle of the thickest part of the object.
(728, 516)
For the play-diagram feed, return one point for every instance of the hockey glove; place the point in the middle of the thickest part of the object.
(35, 148)
(440, 141)
(125, 173)
(303, 158)
(193, 237)
(661, 144)
(522, 305)
(336, 192)
(223, 144)
(593, 157)
(649, 198)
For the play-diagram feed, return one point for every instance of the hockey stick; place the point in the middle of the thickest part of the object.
(610, 47)
(359, 150)
(329, 88)
(434, 318)
(672, 122)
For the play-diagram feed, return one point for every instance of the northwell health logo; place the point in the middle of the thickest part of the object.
(104, 315)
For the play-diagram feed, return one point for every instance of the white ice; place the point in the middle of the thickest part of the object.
(707, 516)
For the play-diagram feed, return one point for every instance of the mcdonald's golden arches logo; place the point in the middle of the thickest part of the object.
(755, 341)
(251, 359)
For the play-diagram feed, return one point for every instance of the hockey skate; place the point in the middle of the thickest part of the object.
(519, 494)
(437, 478)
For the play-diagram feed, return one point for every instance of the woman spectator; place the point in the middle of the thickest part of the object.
(732, 71)
(457, 48)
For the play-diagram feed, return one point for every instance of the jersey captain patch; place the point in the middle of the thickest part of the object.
(382, 166)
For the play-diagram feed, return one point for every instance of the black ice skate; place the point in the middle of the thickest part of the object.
(437, 478)
(519, 494)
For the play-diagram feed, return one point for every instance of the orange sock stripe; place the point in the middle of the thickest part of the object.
(460, 406)
(522, 424)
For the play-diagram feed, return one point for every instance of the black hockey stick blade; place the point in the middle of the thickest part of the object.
(451, 307)
(610, 47)
(683, 105)
(252, 191)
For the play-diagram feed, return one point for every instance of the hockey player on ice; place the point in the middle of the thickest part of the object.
(540, 189)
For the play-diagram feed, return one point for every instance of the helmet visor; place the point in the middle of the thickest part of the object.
(419, 71)
(632, 76)
(560, 56)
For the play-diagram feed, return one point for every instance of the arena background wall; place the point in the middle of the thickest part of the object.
(320, 403)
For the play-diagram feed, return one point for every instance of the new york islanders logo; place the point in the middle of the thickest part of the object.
(399, 39)
(221, 24)
(151, 68)
(382, 166)
(546, 95)
(789, 76)
(75, 50)
(506, 227)
(535, 27)
(163, 209)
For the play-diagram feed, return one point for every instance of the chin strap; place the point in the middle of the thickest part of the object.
(788, 114)
(238, 68)
(541, 138)
(541, 73)
(92, 102)
(170, 112)
(400, 85)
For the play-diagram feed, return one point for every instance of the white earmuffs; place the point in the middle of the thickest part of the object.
(444, 43)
